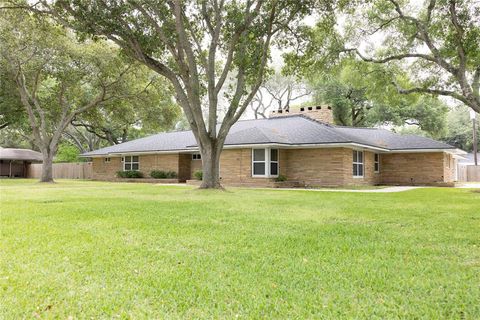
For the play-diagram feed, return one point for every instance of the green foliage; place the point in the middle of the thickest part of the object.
(67, 153)
(85, 249)
(151, 111)
(91, 84)
(281, 178)
(460, 129)
(12, 113)
(437, 43)
(160, 174)
(130, 174)
(198, 175)
(155, 33)
(421, 47)
(15, 138)
(360, 96)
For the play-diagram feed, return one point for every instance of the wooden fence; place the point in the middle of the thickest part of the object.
(79, 170)
(468, 173)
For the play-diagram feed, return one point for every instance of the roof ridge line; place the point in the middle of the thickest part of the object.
(363, 128)
(329, 127)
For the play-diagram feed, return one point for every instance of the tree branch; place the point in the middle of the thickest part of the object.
(430, 91)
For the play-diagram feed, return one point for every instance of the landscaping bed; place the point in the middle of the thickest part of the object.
(147, 180)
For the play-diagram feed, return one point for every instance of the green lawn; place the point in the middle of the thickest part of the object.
(101, 250)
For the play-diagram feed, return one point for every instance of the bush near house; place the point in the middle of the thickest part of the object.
(129, 174)
(198, 175)
(160, 174)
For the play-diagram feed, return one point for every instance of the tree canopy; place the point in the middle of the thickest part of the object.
(196, 45)
(58, 78)
(357, 92)
(151, 109)
(437, 42)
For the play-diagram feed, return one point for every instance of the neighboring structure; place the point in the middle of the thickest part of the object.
(466, 169)
(302, 146)
(14, 163)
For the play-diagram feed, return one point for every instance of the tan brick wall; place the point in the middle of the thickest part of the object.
(107, 170)
(165, 162)
(195, 165)
(415, 168)
(315, 167)
(370, 177)
(236, 168)
(328, 167)
(449, 167)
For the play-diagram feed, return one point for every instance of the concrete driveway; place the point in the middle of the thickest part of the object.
(475, 185)
(382, 190)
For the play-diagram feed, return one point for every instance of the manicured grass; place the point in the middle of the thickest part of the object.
(101, 250)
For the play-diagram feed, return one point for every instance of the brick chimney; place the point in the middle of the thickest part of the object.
(319, 113)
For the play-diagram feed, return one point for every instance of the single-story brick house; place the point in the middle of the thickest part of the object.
(303, 146)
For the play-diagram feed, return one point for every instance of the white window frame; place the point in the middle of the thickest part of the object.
(376, 162)
(267, 163)
(196, 156)
(131, 162)
(358, 163)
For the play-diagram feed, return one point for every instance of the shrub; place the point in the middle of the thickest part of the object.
(281, 178)
(198, 175)
(171, 174)
(160, 174)
(129, 174)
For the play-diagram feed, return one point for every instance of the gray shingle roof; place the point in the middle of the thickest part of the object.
(20, 154)
(289, 130)
(390, 140)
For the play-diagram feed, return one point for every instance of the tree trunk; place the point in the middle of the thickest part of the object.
(211, 166)
(47, 167)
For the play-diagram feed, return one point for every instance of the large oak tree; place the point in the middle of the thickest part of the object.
(436, 41)
(196, 45)
(58, 78)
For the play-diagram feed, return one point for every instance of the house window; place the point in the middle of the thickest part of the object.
(274, 162)
(107, 160)
(196, 156)
(377, 163)
(130, 163)
(357, 164)
(265, 162)
(258, 162)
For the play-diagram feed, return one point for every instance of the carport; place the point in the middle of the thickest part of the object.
(14, 163)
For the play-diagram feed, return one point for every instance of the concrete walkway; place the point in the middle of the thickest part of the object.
(382, 190)
(475, 185)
